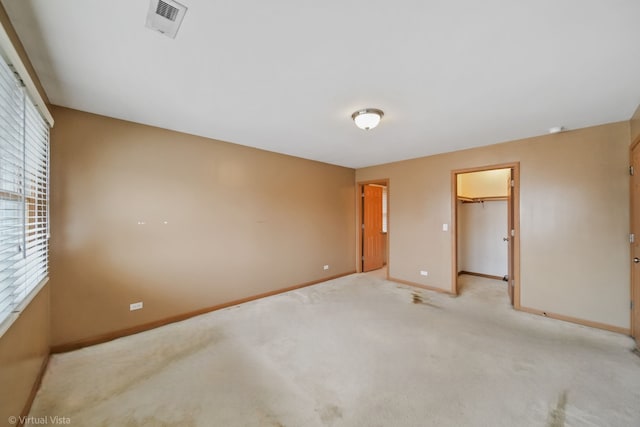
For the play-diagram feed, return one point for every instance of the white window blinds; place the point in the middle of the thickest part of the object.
(24, 194)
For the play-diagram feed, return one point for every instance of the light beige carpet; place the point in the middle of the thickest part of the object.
(356, 351)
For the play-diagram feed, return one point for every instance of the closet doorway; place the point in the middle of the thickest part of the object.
(486, 225)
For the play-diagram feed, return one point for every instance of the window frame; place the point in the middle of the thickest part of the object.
(24, 195)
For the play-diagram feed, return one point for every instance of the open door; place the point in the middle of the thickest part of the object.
(510, 236)
(372, 235)
(635, 242)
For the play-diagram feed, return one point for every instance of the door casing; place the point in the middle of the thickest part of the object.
(514, 221)
(634, 199)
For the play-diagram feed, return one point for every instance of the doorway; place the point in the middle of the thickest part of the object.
(485, 225)
(635, 241)
(373, 232)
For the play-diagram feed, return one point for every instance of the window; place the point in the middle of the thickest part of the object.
(24, 195)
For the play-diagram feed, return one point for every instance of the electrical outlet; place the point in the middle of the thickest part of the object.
(135, 306)
(326, 267)
(424, 273)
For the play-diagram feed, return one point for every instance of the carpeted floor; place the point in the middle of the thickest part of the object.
(356, 351)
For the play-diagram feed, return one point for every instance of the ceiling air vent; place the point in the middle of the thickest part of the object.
(165, 16)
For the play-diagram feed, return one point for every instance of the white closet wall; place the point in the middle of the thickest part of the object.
(482, 229)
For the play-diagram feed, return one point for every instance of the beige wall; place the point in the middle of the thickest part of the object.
(635, 125)
(574, 219)
(239, 222)
(23, 349)
(25, 345)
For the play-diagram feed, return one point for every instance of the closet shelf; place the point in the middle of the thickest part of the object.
(482, 199)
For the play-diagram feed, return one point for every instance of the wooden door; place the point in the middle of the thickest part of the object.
(635, 245)
(510, 237)
(372, 236)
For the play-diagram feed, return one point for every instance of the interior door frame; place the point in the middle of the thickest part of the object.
(360, 217)
(515, 208)
(634, 285)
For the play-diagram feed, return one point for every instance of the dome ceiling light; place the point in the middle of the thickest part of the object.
(367, 118)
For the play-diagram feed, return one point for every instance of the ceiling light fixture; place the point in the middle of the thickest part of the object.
(367, 118)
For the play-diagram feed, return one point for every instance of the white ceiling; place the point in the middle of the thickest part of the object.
(285, 75)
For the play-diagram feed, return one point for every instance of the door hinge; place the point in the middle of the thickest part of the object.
(363, 226)
(632, 238)
(632, 170)
(513, 233)
(363, 257)
(363, 195)
(513, 183)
